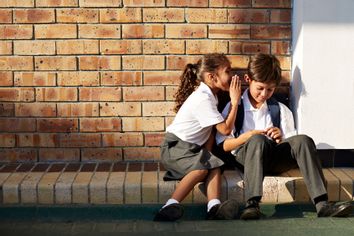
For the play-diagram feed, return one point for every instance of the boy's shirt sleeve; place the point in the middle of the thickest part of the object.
(287, 125)
(219, 138)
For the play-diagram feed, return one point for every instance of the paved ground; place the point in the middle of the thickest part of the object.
(288, 219)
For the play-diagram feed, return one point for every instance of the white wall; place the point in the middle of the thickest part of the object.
(323, 71)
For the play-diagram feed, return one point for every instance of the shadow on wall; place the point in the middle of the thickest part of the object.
(298, 90)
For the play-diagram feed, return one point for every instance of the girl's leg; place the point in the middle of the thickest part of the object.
(213, 184)
(187, 184)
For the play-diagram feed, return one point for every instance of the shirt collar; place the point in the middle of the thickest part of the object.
(247, 104)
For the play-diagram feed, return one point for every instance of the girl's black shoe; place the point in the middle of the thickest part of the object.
(171, 212)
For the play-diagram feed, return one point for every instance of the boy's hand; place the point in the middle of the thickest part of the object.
(274, 133)
(235, 90)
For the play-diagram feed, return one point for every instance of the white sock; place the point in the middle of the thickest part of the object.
(212, 203)
(170, 201)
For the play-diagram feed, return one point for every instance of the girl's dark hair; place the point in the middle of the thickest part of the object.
(264, 68)
(193, 74)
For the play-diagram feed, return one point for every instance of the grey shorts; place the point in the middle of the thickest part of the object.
(180, 157)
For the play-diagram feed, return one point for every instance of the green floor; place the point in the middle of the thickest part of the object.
(287, 219)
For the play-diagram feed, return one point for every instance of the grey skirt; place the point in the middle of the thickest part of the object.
(180, 157)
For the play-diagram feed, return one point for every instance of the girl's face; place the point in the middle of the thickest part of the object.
(223, 78)
(259, 92)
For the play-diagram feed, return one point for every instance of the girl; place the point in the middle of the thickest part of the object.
(185, 152)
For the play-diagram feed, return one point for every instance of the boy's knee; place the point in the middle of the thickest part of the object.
(303, 139)
(258, 138)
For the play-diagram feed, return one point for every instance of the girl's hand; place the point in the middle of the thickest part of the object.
(274, 133)
(235, 90)
(249, 134)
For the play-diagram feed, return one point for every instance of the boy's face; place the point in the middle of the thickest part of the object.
(260, 92)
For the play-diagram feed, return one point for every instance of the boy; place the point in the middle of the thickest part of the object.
(264, 141)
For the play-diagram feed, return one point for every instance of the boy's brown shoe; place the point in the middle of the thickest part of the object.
(226, 211)
(171, 212)
(336, 210)
(252, 211)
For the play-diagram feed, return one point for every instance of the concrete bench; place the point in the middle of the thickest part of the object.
(142, 183)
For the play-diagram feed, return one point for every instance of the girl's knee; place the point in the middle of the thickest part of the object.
(201, 173)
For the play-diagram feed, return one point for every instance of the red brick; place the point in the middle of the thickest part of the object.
(56, 94)
(186, 31)
(35, 79)
(102, 154)
(7, 140)
(80, 140)
(57, 3)
(144, 3)
(229, 31)
(285, 62)
(61, 31)
(143, 31)
(248, 16)
(7, 110)
(281, 47)
(77, 109)
(77, 15)
(271, 3)
(17, 125)
(121, 47)
(100, 124)
(123, 15)
(121, 78)
(143, 124)
(170, 93)
(239, 61)
(122, 139)
(206, 46)
(206, 15)
(38, 140)
(100, 94)
(16, 94)
(79, 78)
(120, 109)
(55, 63)
(179, 62)
(249, 47)
(57, 125)
(17, 3)
(162, 77)
(35, 109)
(6, 78)
(143, 62)
(34, 47)
(59, 154)
(271, 31)
(230, 3)
(99, 31)
(148, 93)
(154, 139)
(163, 15)
(141, 154)
(163, 47)
(16, 31)
(187, 3)
(101, 3)
(18, 155)
(280, 16)
(158, 109)
(5, 48)
(34, 16)
(16, 63)
(77, 47)
(100, 63)
(5, 16)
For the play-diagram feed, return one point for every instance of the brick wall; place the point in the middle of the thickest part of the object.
(84, 80)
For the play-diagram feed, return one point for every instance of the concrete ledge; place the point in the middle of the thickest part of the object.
(141, 183)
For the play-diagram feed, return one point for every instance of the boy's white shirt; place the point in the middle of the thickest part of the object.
(194, 120)
(260, 119)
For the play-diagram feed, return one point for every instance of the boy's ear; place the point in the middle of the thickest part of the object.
(247, 78)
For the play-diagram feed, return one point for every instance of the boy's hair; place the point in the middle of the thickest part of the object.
(194, 73)
(264, 68)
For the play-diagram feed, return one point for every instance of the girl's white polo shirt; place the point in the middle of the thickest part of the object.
(194, 120)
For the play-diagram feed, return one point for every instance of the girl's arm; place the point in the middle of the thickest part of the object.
(226, 127)
(232, 143)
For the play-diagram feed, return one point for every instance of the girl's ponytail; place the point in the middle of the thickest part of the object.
(189, 81)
